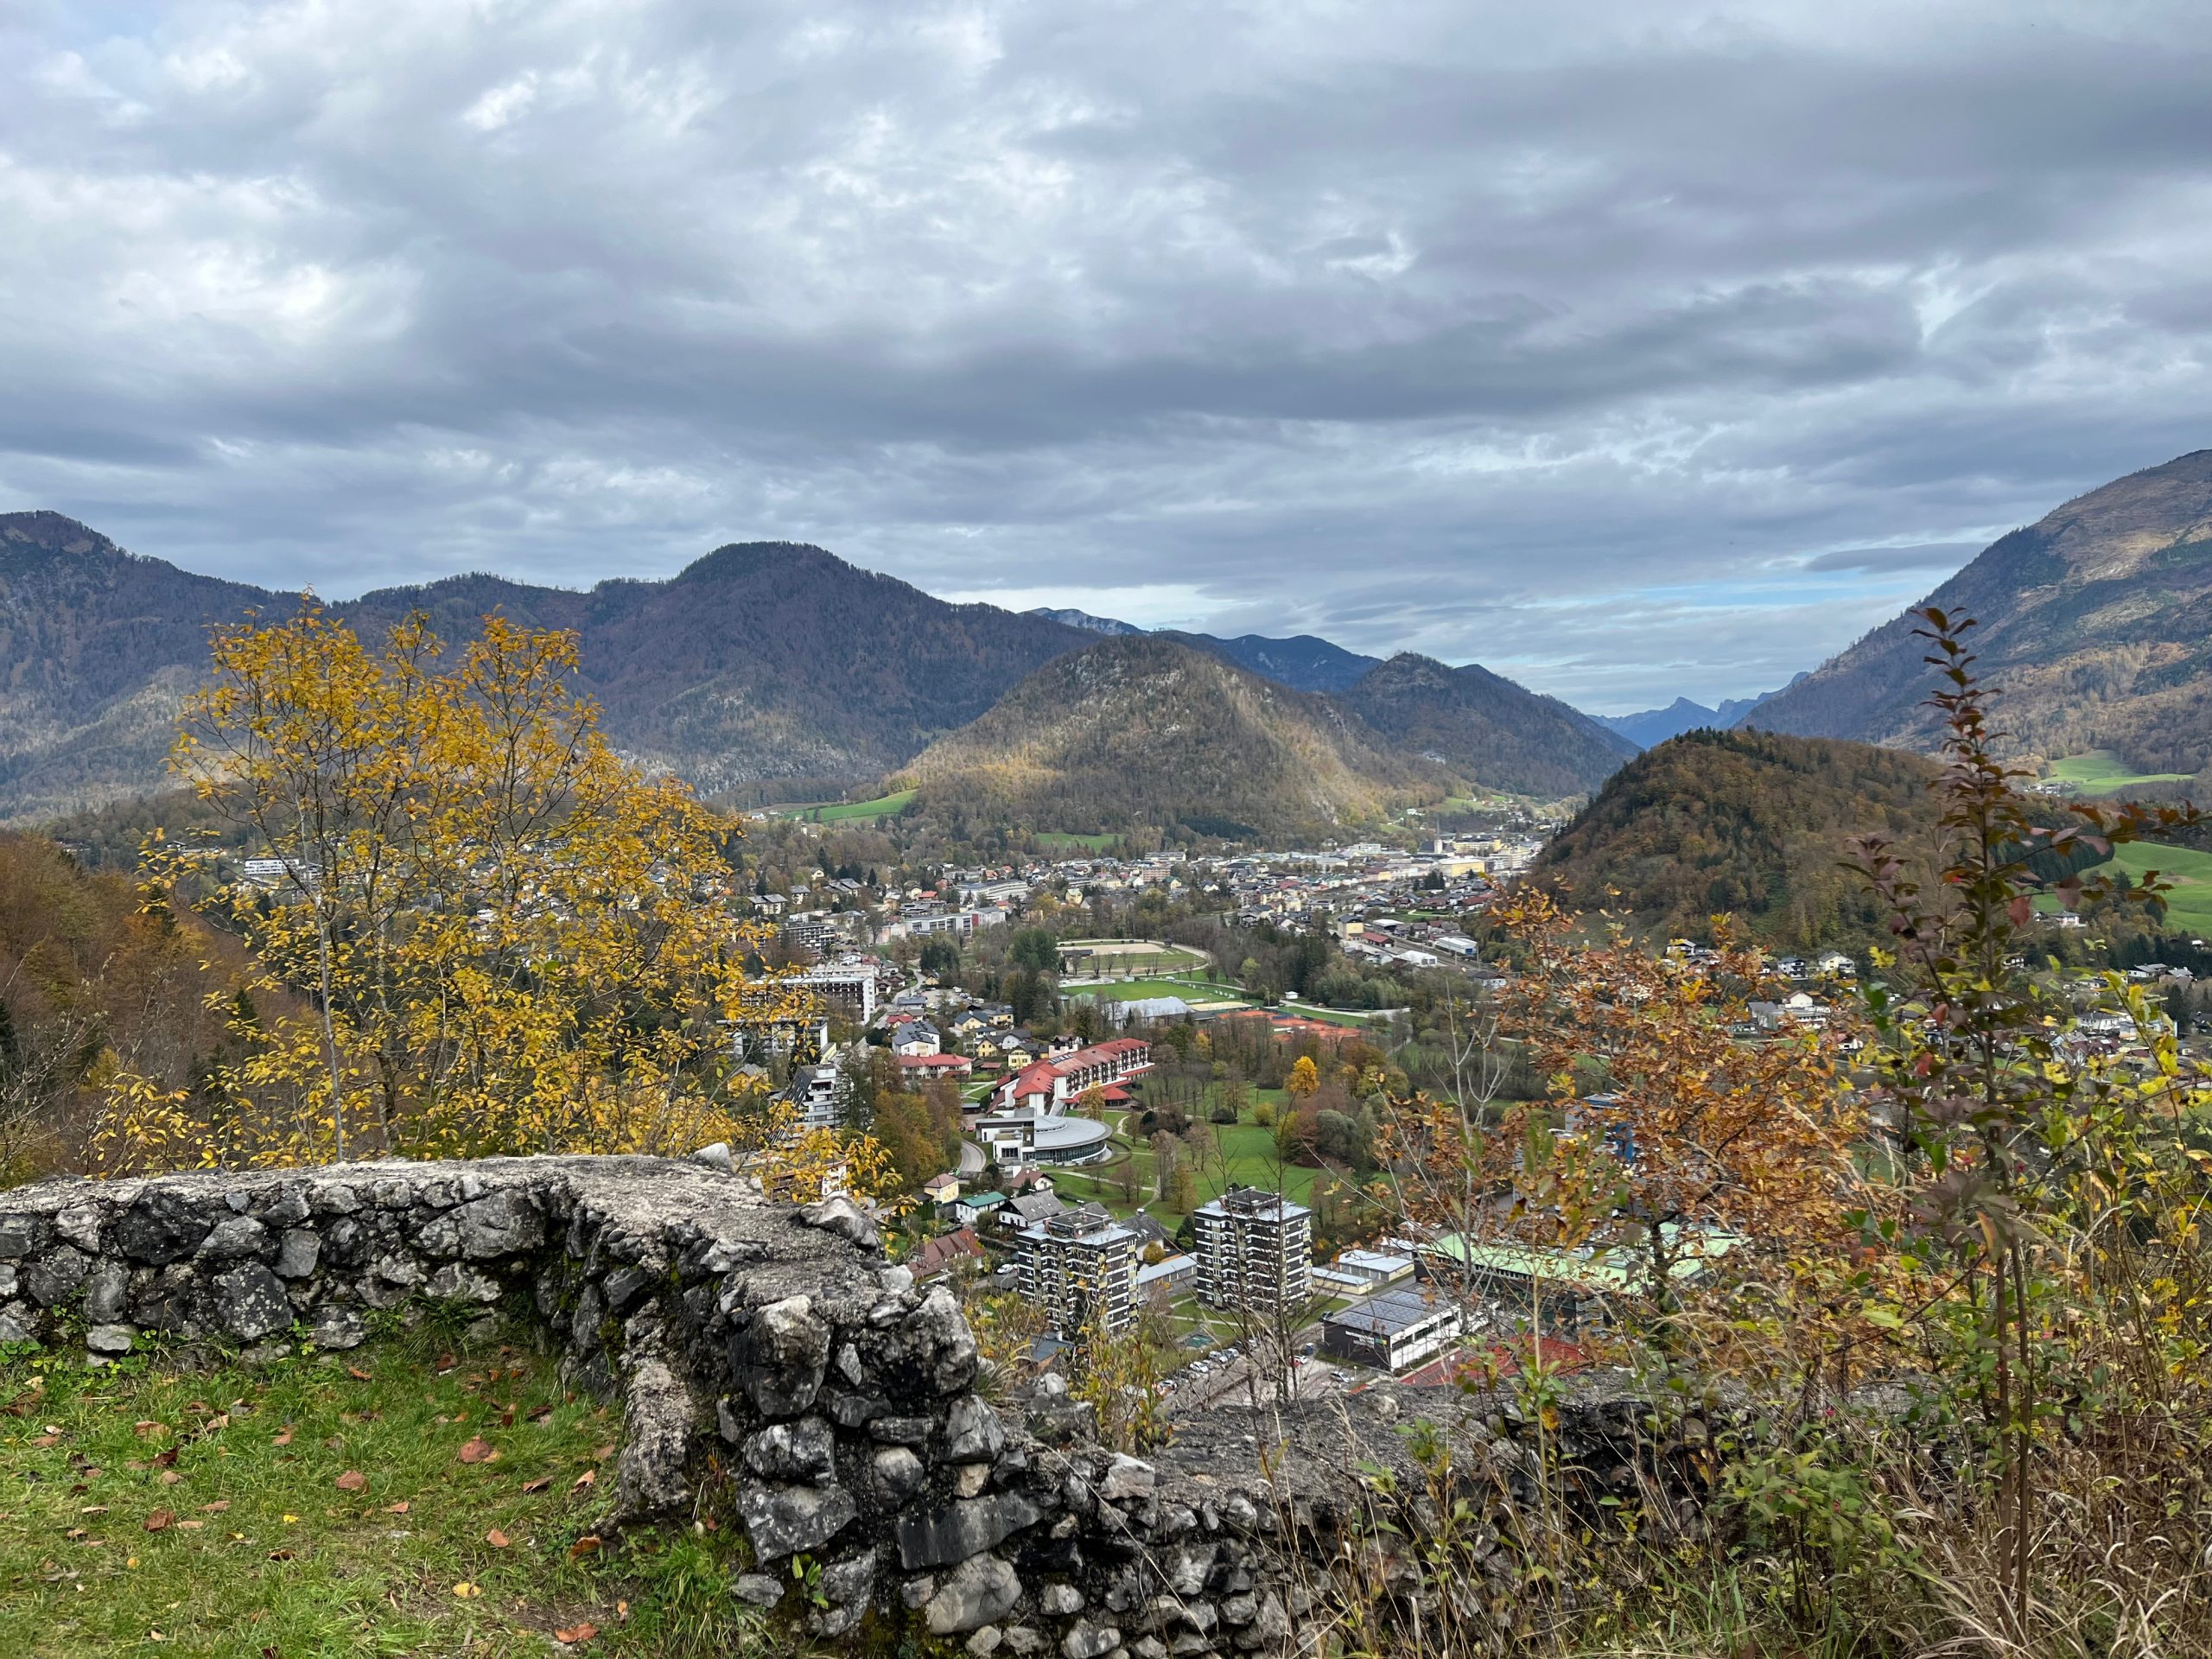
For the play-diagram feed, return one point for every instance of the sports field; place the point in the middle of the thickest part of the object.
(1130, 959)
(2100, 772)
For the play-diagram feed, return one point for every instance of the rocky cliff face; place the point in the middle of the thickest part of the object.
(843, 1396)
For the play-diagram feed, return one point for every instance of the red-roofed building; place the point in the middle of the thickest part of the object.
(926, 1067)
(940, 1255)
(1048, 1085)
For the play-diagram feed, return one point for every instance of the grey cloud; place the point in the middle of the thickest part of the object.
(1574, 342)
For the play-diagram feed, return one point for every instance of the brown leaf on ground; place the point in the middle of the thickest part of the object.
(397, 1508)
(476, 1451)
(446, 1363)
(605, 1451)
(351, 1481)
(147, 1430)
(170, 1478)
(496, 1539)
(164, 1459)
(575, 1633)
(587, 1545)
(160, 1520)
(283, 1436)
(356, 1374)
(280, 1554)
(584, 1479)
(221, 1505)
(538, 1486)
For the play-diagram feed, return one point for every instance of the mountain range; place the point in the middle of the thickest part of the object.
(1653, 727)
(2096, 622)
(763, 671)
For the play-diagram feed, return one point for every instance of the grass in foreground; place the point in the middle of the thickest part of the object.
(415, 1497)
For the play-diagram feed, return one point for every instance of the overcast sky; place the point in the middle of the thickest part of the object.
(1629, 349)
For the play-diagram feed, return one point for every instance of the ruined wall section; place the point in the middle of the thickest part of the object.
(843, 1397)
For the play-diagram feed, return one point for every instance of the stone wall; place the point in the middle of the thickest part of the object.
(842, 1397)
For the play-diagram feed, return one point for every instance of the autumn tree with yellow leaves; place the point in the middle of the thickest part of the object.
(498, 935)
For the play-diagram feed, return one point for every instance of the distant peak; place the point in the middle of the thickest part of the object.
(52, 531)
(1085, 620)
(735, 558)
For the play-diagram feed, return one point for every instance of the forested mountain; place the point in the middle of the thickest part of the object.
(1142, 731)
(1498, 735)
(1749, 822)
(2096, 621)
(763, 666)
(1301, 662)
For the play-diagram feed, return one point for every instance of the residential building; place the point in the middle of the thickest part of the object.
(943, 1253)
(1256, 1251)
(846, 986)
(971, 1207)
(1391, 1331)
(1079, 1269)
(1032, 1208)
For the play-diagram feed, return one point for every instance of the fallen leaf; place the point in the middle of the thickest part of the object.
(584, 1479)
(170, 1478)
(587, 1545)
(190, 1526)
(356, 1374)
(94, 1508)
(217, 1507)
(496, 1539)
(147, 1430)
(465, 1589)
(351, 1481)
(476, 1451)
(280, 1554)
(622, 1610)
(160, 1520)
(74, 1532)
(446, 1363)
(163, 1459)
(397, 1508)
(605, 1451)
(283, 1436)
(46, 1439)
(575, 1633)
(538, 1486)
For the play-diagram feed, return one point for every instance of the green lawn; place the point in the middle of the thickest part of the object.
(416, 1496)
(884, 806)
(2188, 901)
(2100, 771)
(1247, 1160)
(1063, 840)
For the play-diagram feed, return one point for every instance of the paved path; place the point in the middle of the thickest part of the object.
(971, 1157)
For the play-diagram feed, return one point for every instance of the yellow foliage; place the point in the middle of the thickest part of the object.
(483, 931)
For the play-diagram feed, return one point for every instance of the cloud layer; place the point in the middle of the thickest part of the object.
(1631, 350)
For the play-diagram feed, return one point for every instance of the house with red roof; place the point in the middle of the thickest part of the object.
(1046, 1086)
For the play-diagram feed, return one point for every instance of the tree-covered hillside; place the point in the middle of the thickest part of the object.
(1748, 822)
